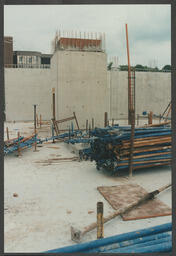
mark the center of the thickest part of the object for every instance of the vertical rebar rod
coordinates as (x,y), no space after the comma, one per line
(129,76)
(131,142)
(52,127)
(54,107)
(37,120)
(40,120)
(35,130)
(7,131)
(69,133)
(86,125)
(100,221)
(105,119)
(150,117)
(72,129)
(92,123)
(89,130)
(134,94)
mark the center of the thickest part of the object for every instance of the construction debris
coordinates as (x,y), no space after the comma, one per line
(15,195)
(57,122)
(19,143)
(90,212)
(55,160)
(76,235)
(118,197)
(53,147)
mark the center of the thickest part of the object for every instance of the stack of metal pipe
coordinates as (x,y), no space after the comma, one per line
(111,148)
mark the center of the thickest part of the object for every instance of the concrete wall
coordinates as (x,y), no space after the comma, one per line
(80,81)
(153,92)
(25,87)
(84,86)
(81,85)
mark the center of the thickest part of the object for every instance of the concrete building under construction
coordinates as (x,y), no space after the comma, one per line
(53,196)
(79,75)
(78,72)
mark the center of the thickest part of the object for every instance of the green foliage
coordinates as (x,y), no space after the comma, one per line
(167,68)
(138,66)
(124,68)
(141,68)
(110,65)
(156,69)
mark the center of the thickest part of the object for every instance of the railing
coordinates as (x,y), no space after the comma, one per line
(27,66)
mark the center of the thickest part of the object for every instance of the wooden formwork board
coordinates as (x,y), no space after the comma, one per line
(123,195)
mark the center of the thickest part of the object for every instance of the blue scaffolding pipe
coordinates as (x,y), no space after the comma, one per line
(96,244)
(142,245)
(138,241)
(19,144)
(163,247)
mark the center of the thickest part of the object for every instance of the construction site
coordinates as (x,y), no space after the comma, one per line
(87,153)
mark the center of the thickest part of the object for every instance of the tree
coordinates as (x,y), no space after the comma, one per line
(155,69)
(139,67)
(167,68)
(124,68)
(110,65)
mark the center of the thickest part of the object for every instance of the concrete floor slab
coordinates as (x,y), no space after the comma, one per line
(53,198)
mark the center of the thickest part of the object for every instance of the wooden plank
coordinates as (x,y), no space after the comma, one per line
(65,120)
(147,161)
(118,197)
(145,155)
(126,152)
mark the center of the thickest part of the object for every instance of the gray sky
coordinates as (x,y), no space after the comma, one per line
(149,28)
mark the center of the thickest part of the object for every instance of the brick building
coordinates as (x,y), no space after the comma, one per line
(8,51)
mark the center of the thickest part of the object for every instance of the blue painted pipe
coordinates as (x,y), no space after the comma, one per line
(27,143)
(113,239)
(79,140)
(163,247)
(128,243)
(142,245)
(142,166)
(62,136)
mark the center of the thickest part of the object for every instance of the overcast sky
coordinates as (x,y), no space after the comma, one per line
(149,27)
